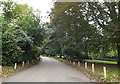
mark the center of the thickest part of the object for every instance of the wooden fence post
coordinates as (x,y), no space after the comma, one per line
(23,64)
(78,64)
(74,62)
(28,62)
(93,68)
(85,64)
(104,69)
(15,66)
(0,70)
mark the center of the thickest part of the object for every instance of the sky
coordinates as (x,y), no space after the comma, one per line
(43,5)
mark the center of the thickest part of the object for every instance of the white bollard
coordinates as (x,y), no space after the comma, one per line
(15,66)
(28,62)
(93,68)
(78,64)
(70,61)
(0,70)
(23,64)
(32,61)
(85,64)
(104,69)
(74,63)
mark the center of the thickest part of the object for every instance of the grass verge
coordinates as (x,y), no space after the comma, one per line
(101,61)
(9,70)
(98,75)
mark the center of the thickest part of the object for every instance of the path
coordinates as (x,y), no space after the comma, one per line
(48,70)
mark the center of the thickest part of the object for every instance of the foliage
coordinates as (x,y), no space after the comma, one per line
(84,30)
(75,31)
(21,33)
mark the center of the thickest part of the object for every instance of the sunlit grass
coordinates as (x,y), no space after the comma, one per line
(112,70)
(101,61)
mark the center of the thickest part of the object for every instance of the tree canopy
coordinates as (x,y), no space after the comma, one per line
(21,33)
(76,31)
(85,30)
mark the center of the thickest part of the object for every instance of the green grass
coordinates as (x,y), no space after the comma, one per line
(112,70)
(101,61)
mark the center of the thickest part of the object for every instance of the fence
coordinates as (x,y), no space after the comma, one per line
(17,67)
(100,72)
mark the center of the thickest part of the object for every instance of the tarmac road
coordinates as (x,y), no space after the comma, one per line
(48,70)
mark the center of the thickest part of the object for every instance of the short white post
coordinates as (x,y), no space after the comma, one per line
(74,62)
(28,62)
(32,61)
(70,61)
(78,64)
(104,68)
(0,70)
(93,68)
(85,64)
(23,64)
(15,66)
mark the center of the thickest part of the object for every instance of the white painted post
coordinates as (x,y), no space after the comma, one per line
(15,66)
(28,62)
(70,61)
(73,62)
(104,68)
(23,64)
(0,70)
(78,64)
(32,61)
(85,64)
(93,68)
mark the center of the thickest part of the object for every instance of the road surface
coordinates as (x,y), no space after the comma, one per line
(48,70)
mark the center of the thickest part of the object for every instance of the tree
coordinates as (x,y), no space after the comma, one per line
(21,29)
(87,28)
(106,16)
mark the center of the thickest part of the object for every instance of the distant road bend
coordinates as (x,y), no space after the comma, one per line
(48,70)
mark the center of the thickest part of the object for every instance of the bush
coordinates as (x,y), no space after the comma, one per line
(11,52)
